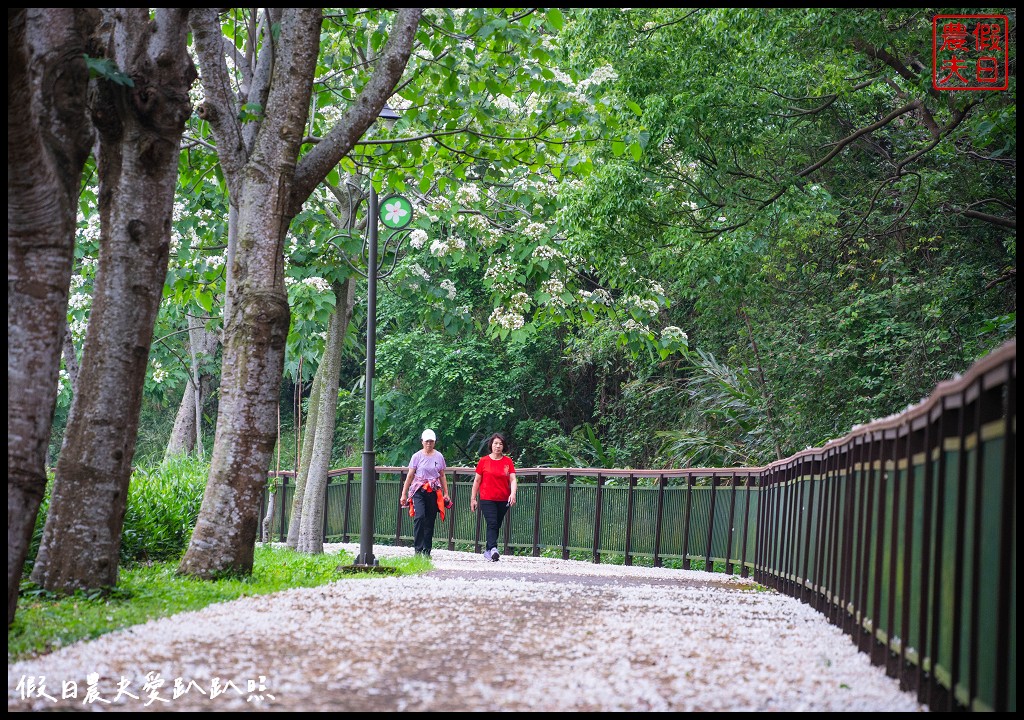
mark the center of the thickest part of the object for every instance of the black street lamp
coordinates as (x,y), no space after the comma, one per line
(396,217)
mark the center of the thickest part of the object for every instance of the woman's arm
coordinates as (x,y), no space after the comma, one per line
(403,498)
(474,493)
(444,486)
(512,496)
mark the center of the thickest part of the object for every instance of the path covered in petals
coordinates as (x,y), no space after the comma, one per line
(531,634)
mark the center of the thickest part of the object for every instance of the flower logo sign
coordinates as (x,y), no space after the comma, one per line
(395,212)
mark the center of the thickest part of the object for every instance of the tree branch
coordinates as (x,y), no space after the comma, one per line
(390,66)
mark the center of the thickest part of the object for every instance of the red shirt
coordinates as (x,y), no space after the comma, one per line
(495,483)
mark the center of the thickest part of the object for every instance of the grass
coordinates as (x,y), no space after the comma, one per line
(46,622)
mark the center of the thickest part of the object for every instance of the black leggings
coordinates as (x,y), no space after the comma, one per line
(423,523)
(494,512)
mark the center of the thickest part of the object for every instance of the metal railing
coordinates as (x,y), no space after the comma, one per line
(903,532)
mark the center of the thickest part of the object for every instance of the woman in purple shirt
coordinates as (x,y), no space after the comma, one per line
(426,476)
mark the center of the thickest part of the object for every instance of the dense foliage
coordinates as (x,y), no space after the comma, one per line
(672,268)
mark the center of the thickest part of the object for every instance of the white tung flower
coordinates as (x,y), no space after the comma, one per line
(449,287)
(467,194)
(632,324)
(506,319)
(671,332)
(418,238)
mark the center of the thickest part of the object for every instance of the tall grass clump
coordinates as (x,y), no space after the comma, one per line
(163,505)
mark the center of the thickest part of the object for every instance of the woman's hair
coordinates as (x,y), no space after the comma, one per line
(504,443)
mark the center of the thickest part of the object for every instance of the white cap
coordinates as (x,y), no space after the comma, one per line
(428,435)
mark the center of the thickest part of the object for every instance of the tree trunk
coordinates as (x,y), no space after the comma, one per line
(311,532)
(295,518)
(48,141)
(140,131)
(259,160)
(187,433)
(70,357)
(268,519)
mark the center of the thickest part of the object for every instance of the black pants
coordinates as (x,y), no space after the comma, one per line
(494,512)
(425,504)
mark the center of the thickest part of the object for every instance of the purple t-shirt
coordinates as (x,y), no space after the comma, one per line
(427,470)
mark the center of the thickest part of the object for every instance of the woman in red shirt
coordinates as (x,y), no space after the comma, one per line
(495,486)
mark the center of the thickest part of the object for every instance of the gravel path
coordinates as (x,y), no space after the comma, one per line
(522,634)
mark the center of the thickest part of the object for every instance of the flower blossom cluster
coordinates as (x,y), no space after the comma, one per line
(317,283)
(501,272)
(546,252)
(535,230)
(633,325)
(553,287)
(441,203)
(603,74)
(508,319)
(599,296)
(159,374)
(467,194)
(673,333)
(418,238)
(519,301)
(474,222)
(449,287)
(440,248)
(648,306)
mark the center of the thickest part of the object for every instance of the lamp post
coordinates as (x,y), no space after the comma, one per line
(396,217)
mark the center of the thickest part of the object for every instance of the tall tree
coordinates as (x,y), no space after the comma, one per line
(139,110)
(268,184)
(186,436)
(320,428)
(48,140)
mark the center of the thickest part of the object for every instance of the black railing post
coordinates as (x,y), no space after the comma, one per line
(862,571)
(928,482)
(1007,542)
(891,657)
(658,520)
(597,518)
(507,528)
(848,571)
(709,565)
(536,516)
(876,604)
(629,519)
(402,511)
(821,554)
(348,507)
(453,487)
(937,693)
(975,586)
(746,525)
(476,537)
(565,517)
(281,536)
(808,511)
(732,514)
(913,448)
(686,521)
(799,549)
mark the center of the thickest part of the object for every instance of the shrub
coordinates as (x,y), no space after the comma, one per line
(163,505)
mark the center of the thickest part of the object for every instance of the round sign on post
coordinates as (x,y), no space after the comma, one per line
(395,212)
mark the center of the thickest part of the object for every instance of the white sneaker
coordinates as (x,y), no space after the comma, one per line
(494,555)
(487,554)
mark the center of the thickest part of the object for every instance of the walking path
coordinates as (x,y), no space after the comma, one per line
(522,634)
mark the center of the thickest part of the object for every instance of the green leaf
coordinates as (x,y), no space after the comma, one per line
(618,147)
(205,300)
(555,18)
(636,151)
(107,69)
